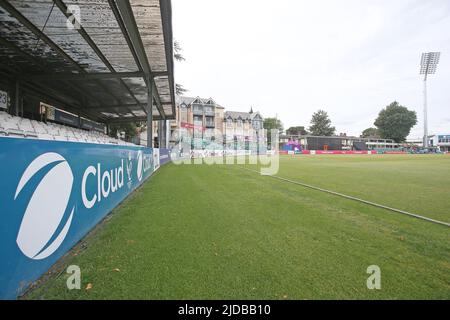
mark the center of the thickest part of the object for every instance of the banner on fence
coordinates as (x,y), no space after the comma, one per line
(52,194)
(342,152)
(164,156)
(156,163)
(328,152)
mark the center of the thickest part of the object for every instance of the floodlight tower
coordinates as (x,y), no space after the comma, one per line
(428,66)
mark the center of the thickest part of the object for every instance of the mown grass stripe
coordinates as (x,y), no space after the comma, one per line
(353,198)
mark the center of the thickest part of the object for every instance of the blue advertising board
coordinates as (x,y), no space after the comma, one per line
(52,194)
(164,156)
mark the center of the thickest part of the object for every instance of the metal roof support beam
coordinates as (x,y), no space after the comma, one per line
(51,93)
(119,20)
(166,11)
(118,106)
(108,107)
(50,96)
(149,114)
(13,47)
(86,76)
(160,74)
(23,85)
(95,48)
(83,94)
(161,133)
(126,120)
(17,98)
(42,36)
(127,38)
(41,65)
(136,42)
(131,119)
(38,33)
(123,28)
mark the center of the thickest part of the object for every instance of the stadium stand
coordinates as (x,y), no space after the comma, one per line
(101,81)
(17,127)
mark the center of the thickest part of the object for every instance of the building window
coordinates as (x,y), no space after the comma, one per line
(197,108)
(208,109)
(209,121)
(257,124)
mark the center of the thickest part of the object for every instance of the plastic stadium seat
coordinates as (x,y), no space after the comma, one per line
(45,136)
(53,131)
(15,133)
(10,125)
(31,134)
(25,124)
(72,139)
(22,127)
(70,133)
(4,115)
(60,138)
(40,129)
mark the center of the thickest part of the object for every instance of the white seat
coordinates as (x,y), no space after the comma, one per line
(60,138)
(15,133)
(27,128)
(31,134)
(40,129)
(14,126)
(4,117)
(25,124)
(45,136)
(53,131)
(10,125)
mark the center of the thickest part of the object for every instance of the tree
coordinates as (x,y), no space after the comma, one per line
(395,122)
(128,127)
(177,51)
(179,89)
(269,125)
(273,123)
(370,133)
(321,124)
(296,131)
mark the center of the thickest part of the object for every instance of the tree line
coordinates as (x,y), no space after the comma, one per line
(393,122)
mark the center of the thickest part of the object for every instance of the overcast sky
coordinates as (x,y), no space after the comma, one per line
(290,58)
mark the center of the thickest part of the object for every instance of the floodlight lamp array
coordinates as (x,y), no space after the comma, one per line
(429,62)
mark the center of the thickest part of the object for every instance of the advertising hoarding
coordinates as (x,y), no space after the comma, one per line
(53,194)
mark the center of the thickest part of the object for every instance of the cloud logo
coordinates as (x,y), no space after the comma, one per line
(140,165)
(129,166)
(46,208)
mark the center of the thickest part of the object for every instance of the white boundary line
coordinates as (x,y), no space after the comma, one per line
(353,198)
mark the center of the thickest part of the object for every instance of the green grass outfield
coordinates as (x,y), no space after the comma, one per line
(220,232)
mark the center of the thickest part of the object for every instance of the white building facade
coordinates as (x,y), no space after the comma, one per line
(442,141)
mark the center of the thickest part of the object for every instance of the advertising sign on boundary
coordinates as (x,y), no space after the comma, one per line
(52,194)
